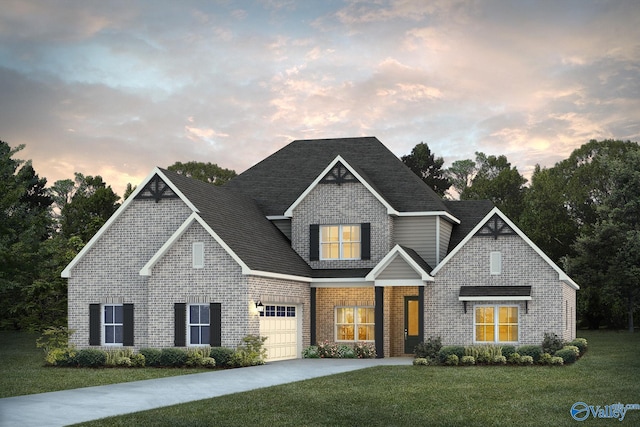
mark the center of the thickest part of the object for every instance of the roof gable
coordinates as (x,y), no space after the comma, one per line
(409,257)
(501,217)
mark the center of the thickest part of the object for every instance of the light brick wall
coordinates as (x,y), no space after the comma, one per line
(521,266)
(349,203)
(108,273)
(327,299)
(569,314)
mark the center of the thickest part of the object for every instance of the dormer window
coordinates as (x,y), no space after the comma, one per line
(340,242)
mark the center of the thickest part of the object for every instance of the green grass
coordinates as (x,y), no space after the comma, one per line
(22,370)
(418,395)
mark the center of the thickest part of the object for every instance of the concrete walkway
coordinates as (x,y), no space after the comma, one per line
(66,407)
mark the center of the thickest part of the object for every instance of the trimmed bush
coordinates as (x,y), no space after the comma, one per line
(151,356)
(448,350)
(327,350)
(551,343)
(311,352)
(138,360)
(581,343)
(500,360)
(483,353)
(514,358)
(452,360)
(545,359)
(557,361)
(346,352)
(421,361)
(526,360)
(569,354)
(61,357)
(365,350)
(91,358)
(173,357)
(428,349)
(468,360)
(535,351)
(250,352)
(508,350)
(222,356)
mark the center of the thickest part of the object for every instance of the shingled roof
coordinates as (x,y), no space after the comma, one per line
(242,226)
(276,182)
(470,213)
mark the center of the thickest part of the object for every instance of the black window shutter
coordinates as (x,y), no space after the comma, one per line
(215,324)
(127,324)
(94,324)
(180,332)
(365,242)
(314,242)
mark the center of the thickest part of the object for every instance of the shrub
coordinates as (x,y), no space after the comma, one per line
(120,357)
(346,352)
(428,349)
(483,353)
(526,360)
(551,343)
(508,350)
(208,362)
(91,358)
(365,350)
(557,361)
(311,352)
(61,357)
(535,351)
(545,359)
(448,350)
(151,356)
(172,357)
(196,356)
(327,350)
(468,360)
(222,356)
(514,358)
(568,354)
(421,361)
(581,343)
(138,360)
(500,360)
(55,343)
(250,352)
(452,360)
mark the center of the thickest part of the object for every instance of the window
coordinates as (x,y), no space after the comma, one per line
(113,324)
(496,323)
(496,263)
(355,324)
(278,311)
(340,242)
(199,325)
(198,255)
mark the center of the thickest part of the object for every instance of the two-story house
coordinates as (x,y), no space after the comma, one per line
(324,240)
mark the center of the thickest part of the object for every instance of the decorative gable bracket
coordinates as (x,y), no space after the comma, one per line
(156,189)
(495,227)
(338,175)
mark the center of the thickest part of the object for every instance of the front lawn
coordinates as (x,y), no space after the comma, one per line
(416,395)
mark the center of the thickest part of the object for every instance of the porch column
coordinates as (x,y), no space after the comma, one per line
(312,315)
(421,312)
(379,319)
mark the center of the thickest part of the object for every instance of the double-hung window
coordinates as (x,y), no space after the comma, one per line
(113,324)
(355,324)
(199,324)
(340,242)
(496,323)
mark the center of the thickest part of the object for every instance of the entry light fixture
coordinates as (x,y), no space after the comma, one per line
(259,307)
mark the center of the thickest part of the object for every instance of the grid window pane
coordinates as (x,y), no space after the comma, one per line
(291,312)
(199,324)
(505,324)
(355,323)
(340,241)
(113,320)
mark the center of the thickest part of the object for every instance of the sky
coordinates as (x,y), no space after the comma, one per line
(115,88)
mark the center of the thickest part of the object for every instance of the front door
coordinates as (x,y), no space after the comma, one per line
(411,323)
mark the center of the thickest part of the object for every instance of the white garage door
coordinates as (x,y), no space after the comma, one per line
(279,323)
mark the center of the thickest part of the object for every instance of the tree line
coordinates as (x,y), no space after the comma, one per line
(584,213)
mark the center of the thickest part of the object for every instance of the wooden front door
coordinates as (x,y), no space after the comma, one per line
(411,323)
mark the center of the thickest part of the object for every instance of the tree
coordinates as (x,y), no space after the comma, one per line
(497,181)
(608,253)
(461,173)
(207,172)
(428,167)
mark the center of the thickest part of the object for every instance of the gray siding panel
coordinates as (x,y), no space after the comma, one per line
(419,234)
(445,235)
(398,269)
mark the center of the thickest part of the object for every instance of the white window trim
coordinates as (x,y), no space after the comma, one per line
(189,325)
(495,263)
(341,242)
(104,324)
(197,253)
(496,329)
(355,323)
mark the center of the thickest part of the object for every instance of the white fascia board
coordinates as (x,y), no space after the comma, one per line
(562,276)
(146,270)
(401,282)
(505,298)
(276,275)
(390,210)
(388,259)
(337,283)
(434,213)
(66,273)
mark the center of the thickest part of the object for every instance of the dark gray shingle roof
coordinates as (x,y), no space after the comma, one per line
(277,181)
(495,291)
(470,213)
(242,226)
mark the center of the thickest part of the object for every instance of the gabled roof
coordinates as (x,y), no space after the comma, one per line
(470,213)
(277,181)
(409,256)
(562,276)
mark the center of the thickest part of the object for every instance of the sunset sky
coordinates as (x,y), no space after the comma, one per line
(114,88)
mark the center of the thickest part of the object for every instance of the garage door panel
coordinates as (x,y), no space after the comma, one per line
(280,325)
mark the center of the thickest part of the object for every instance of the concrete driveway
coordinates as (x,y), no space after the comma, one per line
(66,407)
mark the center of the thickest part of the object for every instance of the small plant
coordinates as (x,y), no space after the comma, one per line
(196,356)
(55,343)
(346,352)
(428,349)
(151,356)
(526,360)
(500,360)
(551,343)
(452,360)
(448,350)
(557,361)
(514,359)
(569,354)
(365,350)
(222,356)
(327,349)
(91,358)
(581,343)
(508,350)
(545,359)
(468,360)
(311,352)
(535,351)
(173,357)
(421,361)
(250,352)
